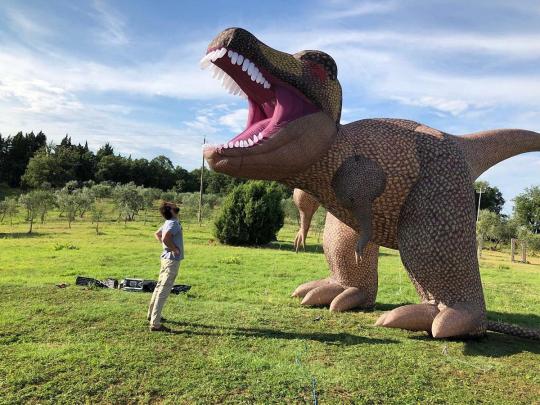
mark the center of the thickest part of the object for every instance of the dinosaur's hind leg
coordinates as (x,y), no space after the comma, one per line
(351,285)
(436,239)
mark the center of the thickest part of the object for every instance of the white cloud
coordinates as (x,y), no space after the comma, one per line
(356,9)
(21,22)
(235,120)
(112,25)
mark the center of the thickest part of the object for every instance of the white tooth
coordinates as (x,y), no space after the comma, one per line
(221,52)
(259,78)
(236,144)
(234,58)
(205,62)
(226,81)
(245,65)
(250,68)
(214,55)
(231,145)
(255,139)
(250,142)
(230,54)
(255,71)
(216,72)
(225,146)
(220,74)
(240,60)
(260,136)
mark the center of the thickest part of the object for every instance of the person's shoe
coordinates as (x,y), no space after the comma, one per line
(160,328)
(161,319)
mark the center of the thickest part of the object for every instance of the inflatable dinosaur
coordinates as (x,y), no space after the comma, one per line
(386,182)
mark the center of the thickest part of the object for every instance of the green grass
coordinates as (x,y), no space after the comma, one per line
(238,337)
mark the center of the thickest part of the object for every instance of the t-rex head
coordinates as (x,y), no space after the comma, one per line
(294,106)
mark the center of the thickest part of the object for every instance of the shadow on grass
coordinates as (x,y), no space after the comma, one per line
(289,246)
(499,345)
(310,248)
(21,235)
(344,339)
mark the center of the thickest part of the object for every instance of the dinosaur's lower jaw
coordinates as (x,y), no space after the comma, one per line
(290,151)
(272,103)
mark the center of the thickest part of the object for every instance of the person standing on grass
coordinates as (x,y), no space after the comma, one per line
(171,237)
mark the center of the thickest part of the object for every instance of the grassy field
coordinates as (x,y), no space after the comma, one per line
(238,336)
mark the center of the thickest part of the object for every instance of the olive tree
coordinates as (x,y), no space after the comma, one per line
(97,213)
(128,201)
(9,207)
(31,202)
(67,202)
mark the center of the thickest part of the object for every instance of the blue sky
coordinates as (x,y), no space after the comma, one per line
(126,72)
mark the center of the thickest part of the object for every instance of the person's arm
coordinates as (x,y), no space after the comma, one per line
(158,235)
(167,239)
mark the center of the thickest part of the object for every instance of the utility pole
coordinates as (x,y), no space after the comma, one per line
(479,200)
(201,188)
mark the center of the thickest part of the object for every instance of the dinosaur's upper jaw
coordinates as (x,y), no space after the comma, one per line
(272,103)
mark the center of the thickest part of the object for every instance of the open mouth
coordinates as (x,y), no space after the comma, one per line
(272,103)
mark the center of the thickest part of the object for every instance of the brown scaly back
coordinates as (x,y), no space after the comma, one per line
(313,73)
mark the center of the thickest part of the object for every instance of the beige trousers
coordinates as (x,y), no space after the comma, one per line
(167,275)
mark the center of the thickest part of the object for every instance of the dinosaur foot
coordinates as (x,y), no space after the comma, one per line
(460,320)
(328,292)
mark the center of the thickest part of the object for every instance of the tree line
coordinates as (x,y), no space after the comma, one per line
(499,229)
(29,161)
(94,201)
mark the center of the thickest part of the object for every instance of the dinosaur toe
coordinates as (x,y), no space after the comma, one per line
(459,320)
(413,317)
(322,295)
(351,298)
(303,289)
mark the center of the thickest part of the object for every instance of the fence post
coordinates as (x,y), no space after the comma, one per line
(512,249)
(524,251)
(480,245)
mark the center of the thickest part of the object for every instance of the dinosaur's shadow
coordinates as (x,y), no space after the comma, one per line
(497,344)
(289,246)
(310,248)
(343,339)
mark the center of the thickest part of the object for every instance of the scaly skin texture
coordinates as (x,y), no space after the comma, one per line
(385,182)
(356,281)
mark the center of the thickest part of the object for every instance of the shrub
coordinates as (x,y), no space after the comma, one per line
(251,215)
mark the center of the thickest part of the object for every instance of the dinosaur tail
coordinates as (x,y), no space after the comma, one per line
(514,330)
(487,148)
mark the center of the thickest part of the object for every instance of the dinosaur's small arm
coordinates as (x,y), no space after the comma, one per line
(351,284)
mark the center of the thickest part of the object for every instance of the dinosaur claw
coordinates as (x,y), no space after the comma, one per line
(322,295)
(413,317)
(303,289)
(380,319)
(459,320)
(357,258)
(352,297)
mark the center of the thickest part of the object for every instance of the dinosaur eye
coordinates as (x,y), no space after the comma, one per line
(317,71)
(322,60)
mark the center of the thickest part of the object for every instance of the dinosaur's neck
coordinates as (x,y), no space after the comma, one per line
(317,179)
(319,175)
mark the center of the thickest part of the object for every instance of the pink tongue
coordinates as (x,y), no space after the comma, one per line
(252,130)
